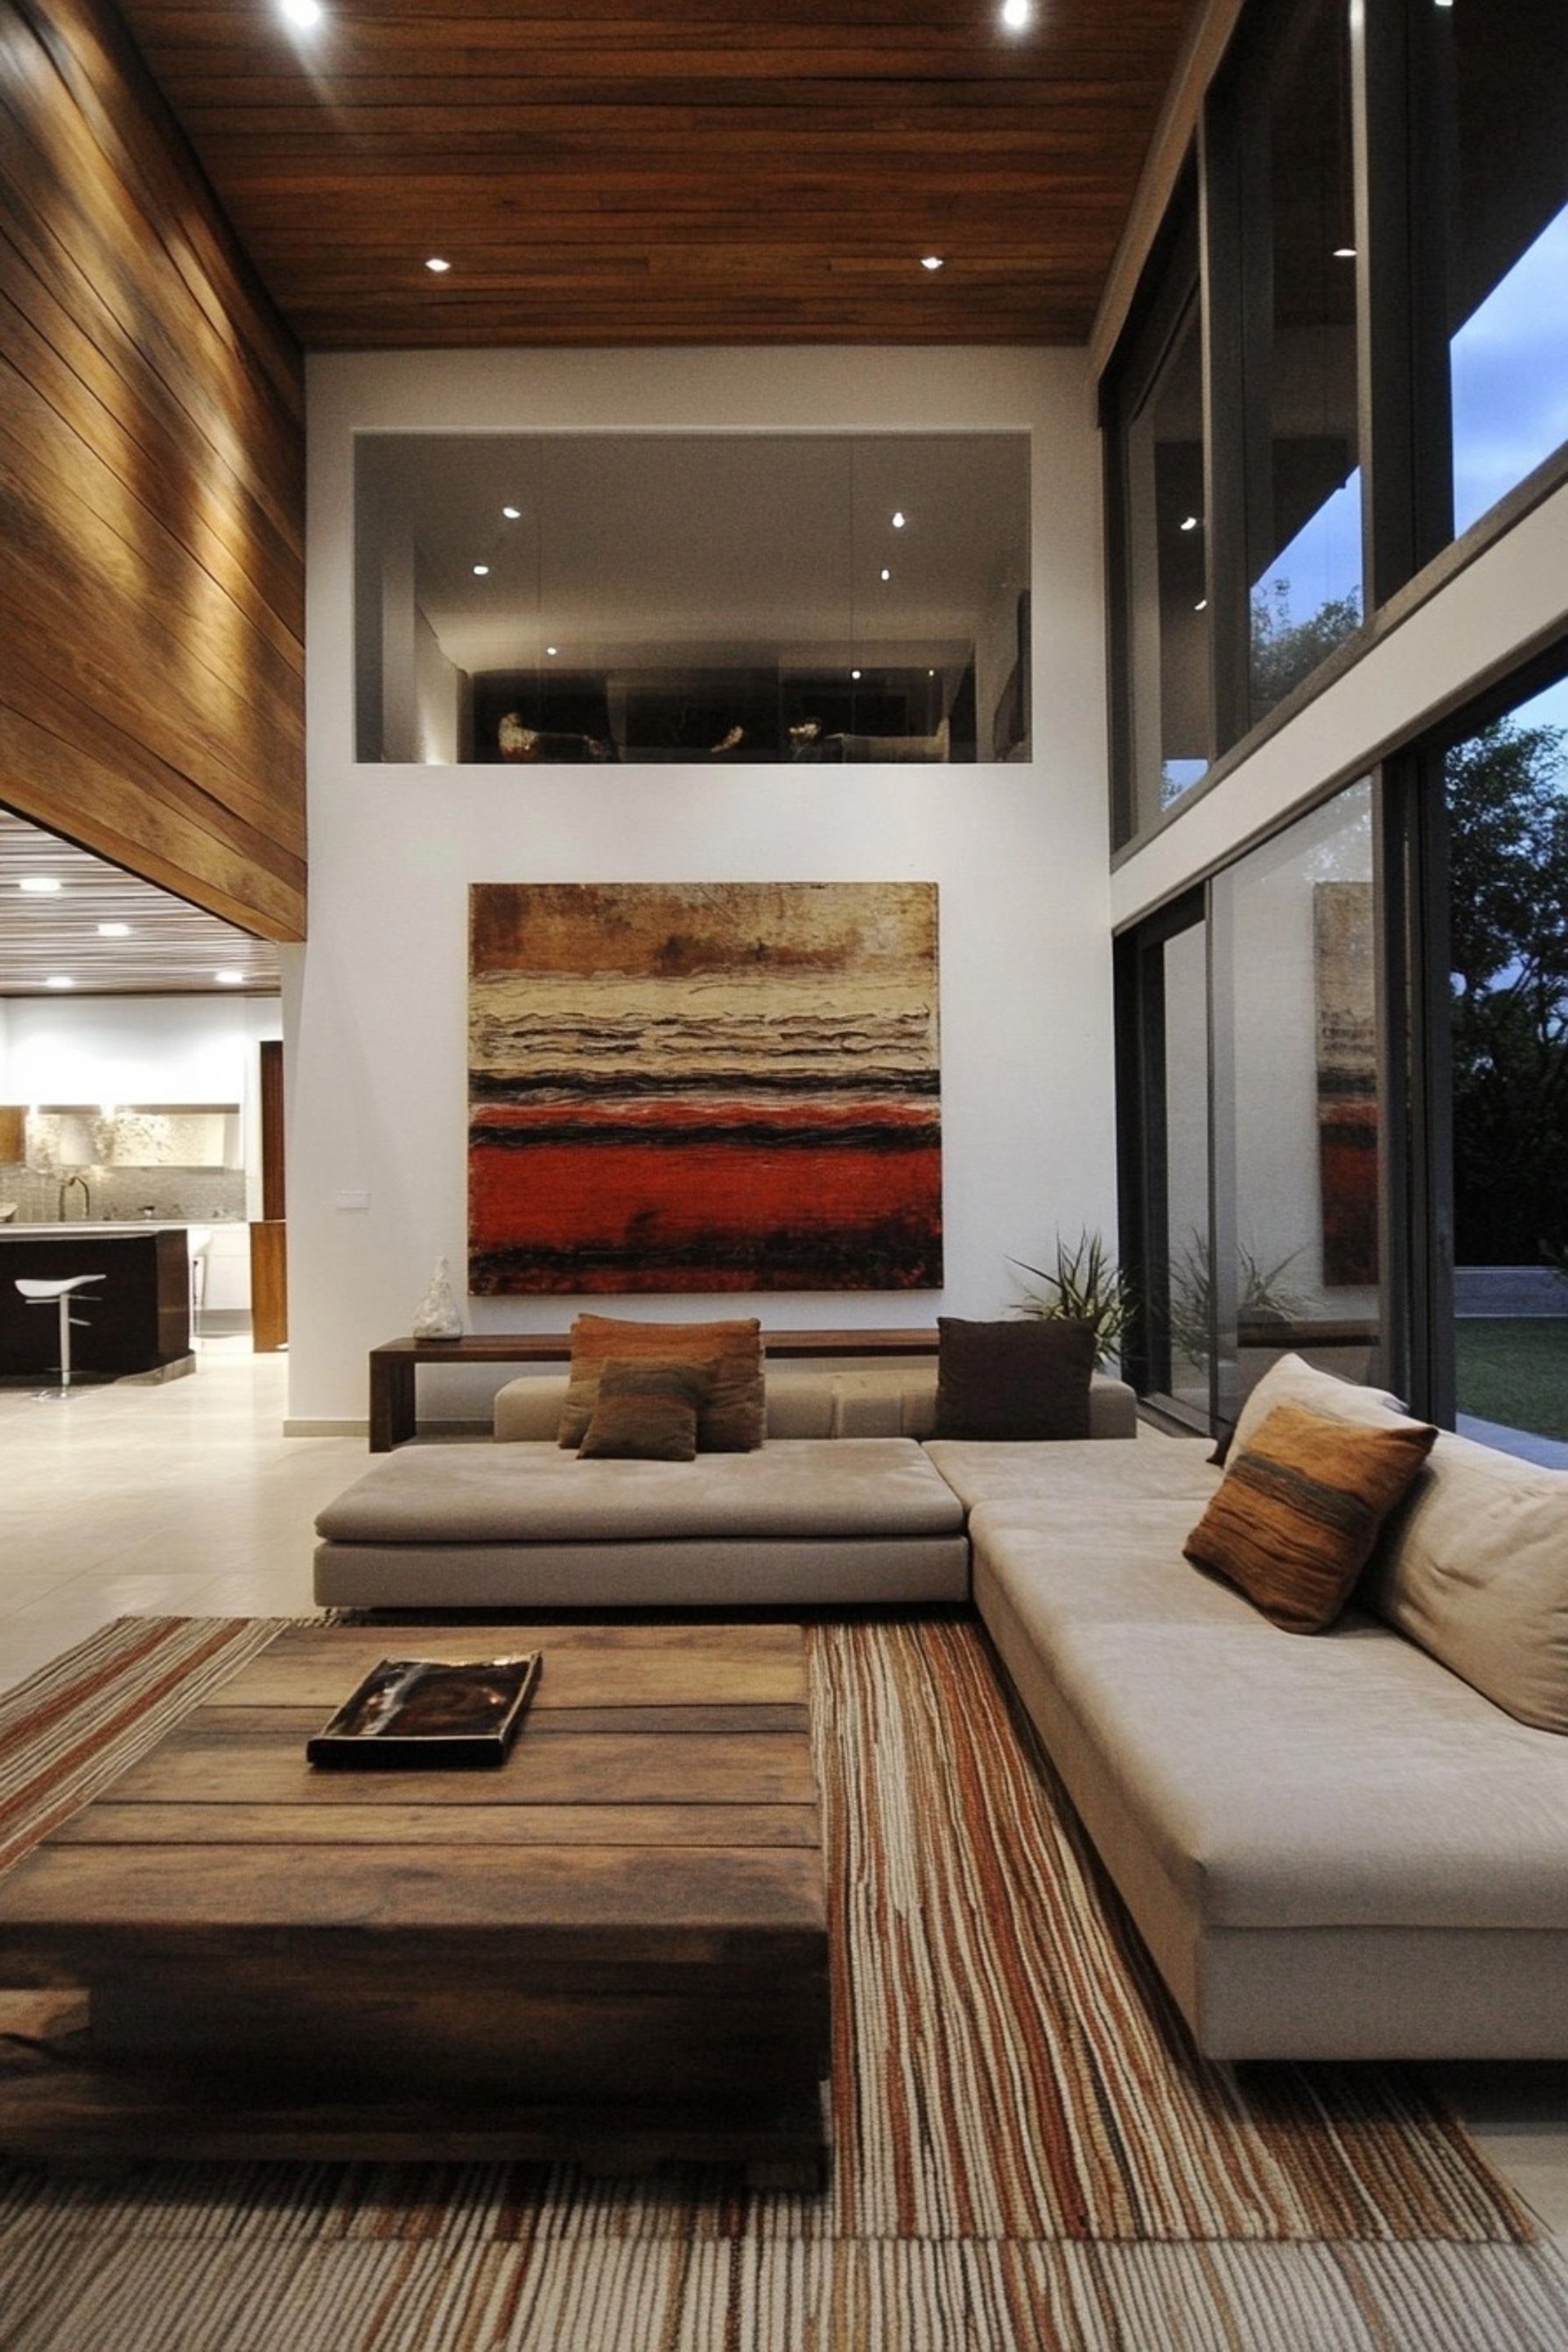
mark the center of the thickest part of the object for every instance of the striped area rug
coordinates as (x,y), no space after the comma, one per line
(1029,2154)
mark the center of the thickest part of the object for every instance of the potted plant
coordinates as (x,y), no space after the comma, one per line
(1083,1285)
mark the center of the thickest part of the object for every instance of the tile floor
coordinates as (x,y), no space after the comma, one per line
(184,1498)
(187,1499)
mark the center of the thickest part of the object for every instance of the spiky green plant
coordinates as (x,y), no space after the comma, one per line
(1084,1285)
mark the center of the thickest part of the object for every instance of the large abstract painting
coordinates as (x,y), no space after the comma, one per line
(1347,1080)
(703,1086)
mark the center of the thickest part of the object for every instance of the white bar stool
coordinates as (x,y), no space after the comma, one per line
(198,1248)
(46,1294)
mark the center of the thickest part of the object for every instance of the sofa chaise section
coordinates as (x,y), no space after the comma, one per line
(805,1522)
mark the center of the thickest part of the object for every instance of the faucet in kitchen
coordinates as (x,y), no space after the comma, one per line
(66,1184)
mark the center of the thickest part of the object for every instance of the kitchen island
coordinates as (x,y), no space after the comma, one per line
(137,1320)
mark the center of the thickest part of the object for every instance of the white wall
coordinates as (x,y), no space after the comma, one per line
(376,1003)
(436,696)
(133,1049)
(142,1049)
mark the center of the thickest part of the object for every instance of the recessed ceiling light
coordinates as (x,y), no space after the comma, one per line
(1202,605)
(303,13)
(1189,522)
(482,572)
(1345,253)
(114,931)
(1016,13)
(930,261)
(60,980)
(229,979)
(854,673)
(886,573)
(38,885)
(437,265)
(512,514)
(898,517)
(553,651)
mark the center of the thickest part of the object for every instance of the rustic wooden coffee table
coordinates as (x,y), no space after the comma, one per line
(613,1949)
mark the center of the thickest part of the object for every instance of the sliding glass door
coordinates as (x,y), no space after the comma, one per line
(1254,1185)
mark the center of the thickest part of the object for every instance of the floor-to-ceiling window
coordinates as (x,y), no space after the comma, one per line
(1160,543)
(1504,63)
(1295,1240)
(1299,311)
(1349,348)
(1255,1202)
(1504,787)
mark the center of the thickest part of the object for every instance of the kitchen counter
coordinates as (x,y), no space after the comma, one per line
(137,1320)
(108,1228)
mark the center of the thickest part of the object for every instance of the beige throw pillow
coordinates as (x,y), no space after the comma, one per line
(1475,1569)
(1292,1380)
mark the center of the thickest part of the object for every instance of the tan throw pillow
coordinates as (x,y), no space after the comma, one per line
(1289,1380)
(734,1418)
(1294,1519)
(1475,1569)
(646,1411)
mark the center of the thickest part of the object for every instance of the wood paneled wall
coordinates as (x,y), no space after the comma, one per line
(152,489)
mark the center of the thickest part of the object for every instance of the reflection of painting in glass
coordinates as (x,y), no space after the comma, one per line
(1347,1080)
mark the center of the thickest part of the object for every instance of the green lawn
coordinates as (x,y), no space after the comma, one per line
(1514,1369)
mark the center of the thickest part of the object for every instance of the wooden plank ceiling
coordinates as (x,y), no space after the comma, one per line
(168,948)
(672,171)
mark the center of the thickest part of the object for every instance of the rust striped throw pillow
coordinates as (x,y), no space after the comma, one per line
(1294,1519)
(646,1411)
(734,1417)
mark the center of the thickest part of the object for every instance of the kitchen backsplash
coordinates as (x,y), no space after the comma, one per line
(192,1196)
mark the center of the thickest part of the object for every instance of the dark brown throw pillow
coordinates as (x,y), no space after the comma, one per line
(734,1418)
(646,1411)
(1013,1380)
(1293,1521)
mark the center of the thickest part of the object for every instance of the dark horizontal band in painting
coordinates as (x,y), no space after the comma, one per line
(893,1254)
(745,1134)
(575,1083)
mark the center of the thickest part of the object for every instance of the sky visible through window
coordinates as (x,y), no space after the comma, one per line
(1510,371)
(1508,364)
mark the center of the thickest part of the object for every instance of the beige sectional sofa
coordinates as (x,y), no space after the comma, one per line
(1337,1847)
(1334,1846)
(841,1505)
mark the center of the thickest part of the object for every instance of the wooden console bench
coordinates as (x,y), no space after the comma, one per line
(394,1366)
